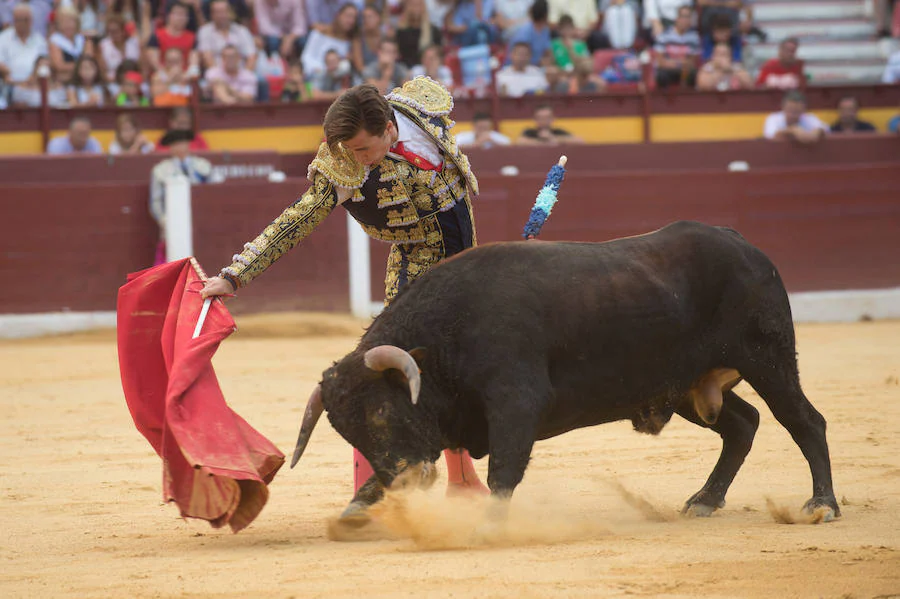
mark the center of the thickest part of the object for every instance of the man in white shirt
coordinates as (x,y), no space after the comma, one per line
(180,163)
(222,31)
(20,47)
(793,122)
(520,77)
(482,134)
(892,69)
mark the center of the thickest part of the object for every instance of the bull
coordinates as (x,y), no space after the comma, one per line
(511,343)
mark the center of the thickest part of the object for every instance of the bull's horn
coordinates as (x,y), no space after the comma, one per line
(390,356)
(310,418)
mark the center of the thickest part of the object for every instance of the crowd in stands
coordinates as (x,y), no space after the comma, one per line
(164,52)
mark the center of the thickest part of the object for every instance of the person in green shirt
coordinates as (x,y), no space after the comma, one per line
(567,47)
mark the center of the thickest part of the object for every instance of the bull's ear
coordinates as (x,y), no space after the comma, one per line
(419,354)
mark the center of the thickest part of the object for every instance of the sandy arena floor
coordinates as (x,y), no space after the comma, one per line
(81,512)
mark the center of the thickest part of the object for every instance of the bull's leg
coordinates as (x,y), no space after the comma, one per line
(511,439)
(778,383)
(367,495)
(736,424)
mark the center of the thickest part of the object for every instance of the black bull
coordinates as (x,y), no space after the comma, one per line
(511,343)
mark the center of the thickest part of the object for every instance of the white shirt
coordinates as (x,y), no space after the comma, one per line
(20,57)
(892,69)
(414,140)
(467,138)
(776,121)
(662,9)
(516,84)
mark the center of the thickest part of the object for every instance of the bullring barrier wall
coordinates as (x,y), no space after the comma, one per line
(68,246)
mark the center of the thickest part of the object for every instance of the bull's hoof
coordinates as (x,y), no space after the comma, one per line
(356,515)
(698,510)
(701,506)
(825,508)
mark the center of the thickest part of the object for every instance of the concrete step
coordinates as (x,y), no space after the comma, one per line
(822,51)
(793,11)
(848,29)
(845,72)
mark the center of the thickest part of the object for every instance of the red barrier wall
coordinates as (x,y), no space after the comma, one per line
(70,246)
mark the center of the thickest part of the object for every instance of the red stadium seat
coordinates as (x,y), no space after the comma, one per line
(276,86)
(451,60)
(604,58)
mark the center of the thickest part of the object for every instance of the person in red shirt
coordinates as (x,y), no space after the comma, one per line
(175,35)
(182,120)
(784,72)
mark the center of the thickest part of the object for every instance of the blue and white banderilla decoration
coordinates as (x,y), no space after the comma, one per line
(546,199)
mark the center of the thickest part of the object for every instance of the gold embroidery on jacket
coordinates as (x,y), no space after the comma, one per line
(293,225)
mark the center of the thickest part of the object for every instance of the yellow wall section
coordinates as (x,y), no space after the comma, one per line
(672,127)
(731,126)
(24,142)
(611,130)
(281,139)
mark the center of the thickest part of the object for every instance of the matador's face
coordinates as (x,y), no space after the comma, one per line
(370,149)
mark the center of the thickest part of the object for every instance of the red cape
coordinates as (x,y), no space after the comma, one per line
(215,465)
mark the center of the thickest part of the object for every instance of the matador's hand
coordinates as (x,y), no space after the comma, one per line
(216,286)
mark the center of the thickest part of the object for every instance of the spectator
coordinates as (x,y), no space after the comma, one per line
(509,15)
(469,22)
(77,141)
(20,47)
(296,89)
(87,87)
(544,133)
(170,85)
(520,77)
(182,163)
(130,90)
(722,32)
(334,80)
(323,12)
(784,72)
(129,139)
(92,18)
(28,93)
(557,79)
(156,9)
(848,118)
(66,45)
(433,66)
(583,13)
(222,31)
(230,82)
(339,36)
(415,33)
(620,24)
(722,74)
(568,46)
(364,50)
(240,12)
(660,15)
(174,35)
(41,12)
(892,69)
(716,9)
(387,73)
(535,33)
(793,122)
(438,11)
(584,80)
(482,134)
(181,119)
(283,25)
(130,12)
(117,46)
(676,52)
